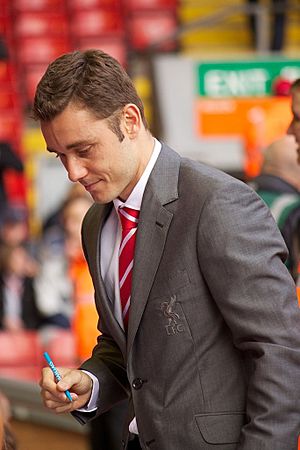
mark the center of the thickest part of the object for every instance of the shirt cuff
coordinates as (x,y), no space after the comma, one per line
(92,403)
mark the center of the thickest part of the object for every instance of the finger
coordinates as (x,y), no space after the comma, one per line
(63,407)
(60,402)
(57,395)
(51,400)
(59,408)
(76,381)
(70,377)
(47,380)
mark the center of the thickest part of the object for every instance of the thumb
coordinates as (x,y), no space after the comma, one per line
(69,378)
(75,380)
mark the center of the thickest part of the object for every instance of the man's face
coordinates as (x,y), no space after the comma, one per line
(294,127)
(92,153)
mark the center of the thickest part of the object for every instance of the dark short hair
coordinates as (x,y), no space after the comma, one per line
(90,78)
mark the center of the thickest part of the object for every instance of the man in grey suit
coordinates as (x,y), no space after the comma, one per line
(210,355)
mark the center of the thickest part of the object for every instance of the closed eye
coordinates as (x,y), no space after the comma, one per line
(84,151)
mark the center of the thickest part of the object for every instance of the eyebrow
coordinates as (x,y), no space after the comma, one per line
(71,146)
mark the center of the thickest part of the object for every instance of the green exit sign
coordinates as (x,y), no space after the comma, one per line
(243,78)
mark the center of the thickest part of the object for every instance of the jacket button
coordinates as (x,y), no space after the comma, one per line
(137,383)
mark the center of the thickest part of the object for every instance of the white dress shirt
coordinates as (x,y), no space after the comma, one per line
(109,258)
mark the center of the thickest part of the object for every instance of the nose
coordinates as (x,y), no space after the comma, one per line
(76,170)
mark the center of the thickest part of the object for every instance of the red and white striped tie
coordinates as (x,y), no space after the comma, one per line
(129,221)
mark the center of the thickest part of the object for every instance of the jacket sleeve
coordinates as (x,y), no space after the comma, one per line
(244,269)
(107,365)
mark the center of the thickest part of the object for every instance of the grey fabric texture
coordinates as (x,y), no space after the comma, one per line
(212,358)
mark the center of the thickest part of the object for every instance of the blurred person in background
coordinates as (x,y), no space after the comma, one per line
(14,226)
(1,431)
(14,230)
(5,412)
(279,186)
(18,307)
(58,253)
(85,317)
(54,221)
(7,438)
(8,160)
(54,290)
(4,55)
(294,127)
(278,20)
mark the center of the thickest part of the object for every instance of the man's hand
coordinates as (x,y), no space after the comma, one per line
(76,381)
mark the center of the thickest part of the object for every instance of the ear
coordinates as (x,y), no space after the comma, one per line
(132,120)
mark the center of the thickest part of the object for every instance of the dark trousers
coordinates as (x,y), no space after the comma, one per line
(134,444)
(106,430)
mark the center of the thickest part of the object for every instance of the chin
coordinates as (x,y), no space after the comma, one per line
(101,199)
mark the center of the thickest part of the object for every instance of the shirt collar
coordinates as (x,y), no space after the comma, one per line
(134,200)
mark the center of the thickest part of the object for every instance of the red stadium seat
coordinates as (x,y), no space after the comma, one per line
(5,25)
(92,4)
(19,349)
(5,7)
(96,23)
(40,50)
(113,45)
(8,99)
(61,347)
(30,374)
(11,125)
(7,75)
(148,28)
(38,5)
(40,23)
(32,75)
(142,5)
(15,186)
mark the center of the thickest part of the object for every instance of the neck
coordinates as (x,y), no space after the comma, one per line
(144,147)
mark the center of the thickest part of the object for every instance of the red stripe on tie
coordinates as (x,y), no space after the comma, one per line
(129,221)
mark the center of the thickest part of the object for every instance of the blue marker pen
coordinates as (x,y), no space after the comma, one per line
(56,373)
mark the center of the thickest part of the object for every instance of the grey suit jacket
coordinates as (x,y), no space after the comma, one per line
(212,358)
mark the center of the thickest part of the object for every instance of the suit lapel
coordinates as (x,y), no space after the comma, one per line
(153,228)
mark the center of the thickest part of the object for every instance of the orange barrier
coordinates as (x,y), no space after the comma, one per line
(258,120)
(85,316)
